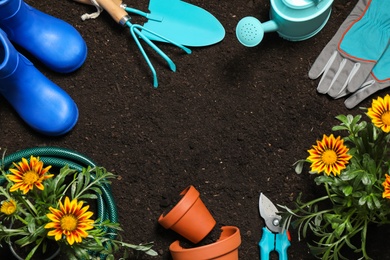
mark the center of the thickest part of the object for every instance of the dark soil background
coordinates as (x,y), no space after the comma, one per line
(231,121)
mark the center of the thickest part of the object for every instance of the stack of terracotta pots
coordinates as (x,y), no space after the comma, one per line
(191,219)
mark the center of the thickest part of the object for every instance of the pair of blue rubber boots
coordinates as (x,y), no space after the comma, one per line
(42,104)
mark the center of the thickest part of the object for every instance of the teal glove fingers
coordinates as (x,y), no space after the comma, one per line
(335,77)
(379,79)
(366,40)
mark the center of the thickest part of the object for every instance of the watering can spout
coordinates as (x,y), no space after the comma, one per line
(294,20)
(250,31)
(270,26)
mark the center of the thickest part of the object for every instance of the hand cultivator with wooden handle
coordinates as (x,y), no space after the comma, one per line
(136,30)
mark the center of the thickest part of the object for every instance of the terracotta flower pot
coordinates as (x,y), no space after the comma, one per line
(225,248)
(189,217)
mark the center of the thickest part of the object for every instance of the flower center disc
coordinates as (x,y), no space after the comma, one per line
(329,157)
(30,177)
(386,118)
(68,223)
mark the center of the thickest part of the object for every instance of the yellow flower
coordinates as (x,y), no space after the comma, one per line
(329,155)
(386,185)
(27,175)
(379,112)
(71,220)
(8,207)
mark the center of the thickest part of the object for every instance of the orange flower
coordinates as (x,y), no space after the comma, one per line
(379,112)
(27,175)
(386,185)
(8,207)
(329,155)
(71,220)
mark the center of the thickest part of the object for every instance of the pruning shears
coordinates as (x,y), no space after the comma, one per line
(274,238)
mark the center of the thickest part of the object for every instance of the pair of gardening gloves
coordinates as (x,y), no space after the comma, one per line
(356,61)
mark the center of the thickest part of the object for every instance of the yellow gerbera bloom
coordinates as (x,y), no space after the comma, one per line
(27,175)
(379,112)
(386,185)
(71,220)
(8,207)
(329,155)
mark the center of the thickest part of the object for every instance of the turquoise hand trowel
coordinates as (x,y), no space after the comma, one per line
(181,22)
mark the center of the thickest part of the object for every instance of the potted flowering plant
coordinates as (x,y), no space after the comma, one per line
(353,171)
(39,208)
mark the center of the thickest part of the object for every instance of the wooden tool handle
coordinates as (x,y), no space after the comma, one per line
(88,2)
(112,7)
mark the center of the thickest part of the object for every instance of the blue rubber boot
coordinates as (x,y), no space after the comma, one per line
(52,41)
(43,105)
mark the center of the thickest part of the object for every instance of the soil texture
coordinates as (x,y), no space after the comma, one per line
(231,121)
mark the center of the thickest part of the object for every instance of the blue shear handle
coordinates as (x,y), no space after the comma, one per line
(267,244)
(282,243)
(270,242)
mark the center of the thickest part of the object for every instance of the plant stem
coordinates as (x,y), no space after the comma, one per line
(21,219)
(329,196)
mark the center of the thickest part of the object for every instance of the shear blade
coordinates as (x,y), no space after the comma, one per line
(268,212)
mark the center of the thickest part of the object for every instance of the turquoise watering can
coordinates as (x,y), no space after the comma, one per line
(293,20)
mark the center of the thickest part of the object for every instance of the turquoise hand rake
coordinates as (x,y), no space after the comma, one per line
(136,30)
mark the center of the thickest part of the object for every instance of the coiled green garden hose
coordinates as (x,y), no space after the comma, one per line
(60,157)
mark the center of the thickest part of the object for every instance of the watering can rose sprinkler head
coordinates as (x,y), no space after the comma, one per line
(250,31)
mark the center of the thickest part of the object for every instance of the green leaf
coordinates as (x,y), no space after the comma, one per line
(366,180)
(88,196)
(339,128)
(339,230)
(80,182)
(32,252)
(358,194)
(347,190)
(299,166)
(317,250)
(362,200)
(361,126)
(339,200)
(349,226)
(369,164)
(73,190)
(333,219)
(24,240)
(376,201)
(343,119)
(349,244)
(370,204)
(31,226)
(87,179)
(355,119)
(349,175)
(318,220)
(97,190)
(110,257)
(323,179)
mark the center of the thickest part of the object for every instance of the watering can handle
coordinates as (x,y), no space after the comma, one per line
(301,4)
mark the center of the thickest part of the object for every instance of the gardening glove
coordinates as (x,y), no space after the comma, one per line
(378,79)
(351,54)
